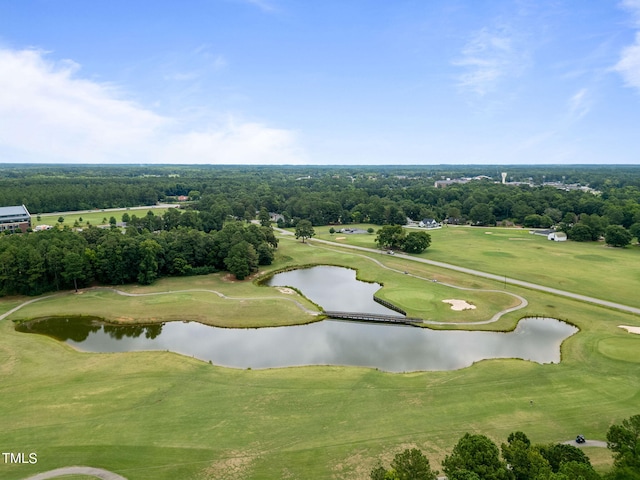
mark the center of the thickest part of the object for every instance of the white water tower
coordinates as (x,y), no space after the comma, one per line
(504,177)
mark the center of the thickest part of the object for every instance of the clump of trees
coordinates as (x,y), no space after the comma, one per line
(395,237)
(476,457)
(57,259)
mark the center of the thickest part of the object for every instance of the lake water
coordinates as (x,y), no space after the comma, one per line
(333,288)
(393,348)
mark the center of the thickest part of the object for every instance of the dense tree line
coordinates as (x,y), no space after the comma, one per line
(476,457)
(31,264)
(344,195)
(326,195)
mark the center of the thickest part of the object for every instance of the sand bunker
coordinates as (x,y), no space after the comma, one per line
(630,329)
(459,305)
(288,291)
(341,238)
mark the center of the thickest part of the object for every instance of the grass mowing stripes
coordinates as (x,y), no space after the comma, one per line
(159,415)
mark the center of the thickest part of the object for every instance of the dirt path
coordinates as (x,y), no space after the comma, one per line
(94,472)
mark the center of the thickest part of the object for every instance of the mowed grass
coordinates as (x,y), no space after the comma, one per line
(158,415)
(94,217)
(590,268)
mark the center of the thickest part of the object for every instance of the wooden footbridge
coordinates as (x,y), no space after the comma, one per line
(372,317)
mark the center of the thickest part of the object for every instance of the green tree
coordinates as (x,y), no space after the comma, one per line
(416,242)
(477,454)
(579,471)
(464,475)
(391,236)
(60,219)
(634,230)
(148,267)
(624,441)
(559,453)
(378,473)
(525,462)
(580,233)
(264,218)
(125,217)
(73,268)
(242,260)
(304,230)
(265,253)
(482,214)
(332,231)
(617,236)
(112,221)
(411,464)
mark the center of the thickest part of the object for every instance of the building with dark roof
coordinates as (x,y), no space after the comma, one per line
(15,218)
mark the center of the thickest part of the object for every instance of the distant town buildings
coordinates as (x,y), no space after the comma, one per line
(15,218)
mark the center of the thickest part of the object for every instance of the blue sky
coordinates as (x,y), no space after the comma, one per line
(320,82)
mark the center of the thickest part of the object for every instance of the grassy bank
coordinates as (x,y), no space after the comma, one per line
(158,415)
(590,268)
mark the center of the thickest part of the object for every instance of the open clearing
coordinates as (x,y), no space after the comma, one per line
(96,217)
(564,265)
(158,415)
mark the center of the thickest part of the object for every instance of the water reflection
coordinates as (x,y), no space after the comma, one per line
(391,348)
(333,288)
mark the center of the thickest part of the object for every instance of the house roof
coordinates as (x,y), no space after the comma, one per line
(18,211)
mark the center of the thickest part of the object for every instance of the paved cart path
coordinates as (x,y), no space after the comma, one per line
(94,472)
(491,276)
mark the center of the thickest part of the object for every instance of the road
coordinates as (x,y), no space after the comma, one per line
(491,276)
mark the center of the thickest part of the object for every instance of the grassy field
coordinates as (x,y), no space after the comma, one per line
(158,415)
(587,268)
(94,217)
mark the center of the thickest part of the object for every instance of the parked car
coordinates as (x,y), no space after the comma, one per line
(580,439)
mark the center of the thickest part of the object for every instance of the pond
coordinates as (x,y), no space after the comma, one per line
(333,288)
(392,348)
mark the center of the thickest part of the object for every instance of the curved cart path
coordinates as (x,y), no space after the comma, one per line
(495,318)
(128,294)
(499,278)
(94,472)
(204,290)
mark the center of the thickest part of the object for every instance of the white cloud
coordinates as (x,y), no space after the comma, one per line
(629,64)
(488,58)
(49,114)
(634,7)
(245,143)
(579,104)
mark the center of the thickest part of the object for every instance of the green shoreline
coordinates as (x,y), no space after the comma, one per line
(188,419)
